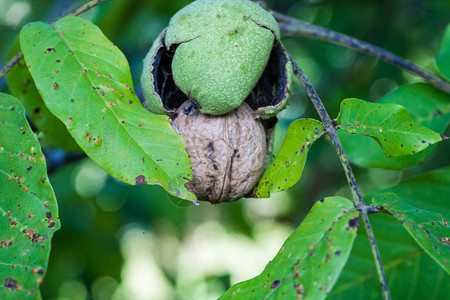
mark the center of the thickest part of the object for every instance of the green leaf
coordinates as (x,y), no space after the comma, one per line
(411,272)
(365,152)
(426,106)
(430,230)
(389,124)
(28,208)
(429,191)
(287,168)
(443,58)
(22,87)
(310,261)
(85,81)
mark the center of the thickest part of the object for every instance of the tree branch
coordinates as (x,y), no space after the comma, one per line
(357,198)
(83,8)
(10,64)
(294,27)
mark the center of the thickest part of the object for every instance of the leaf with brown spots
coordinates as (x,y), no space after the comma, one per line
(388,124)
(287,168)
(28,208)
(310,260)
(430,229)
(426,105)
(412,274)
(93,94)
(22,86)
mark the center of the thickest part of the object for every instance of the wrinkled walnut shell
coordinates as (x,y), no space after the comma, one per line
(228,152)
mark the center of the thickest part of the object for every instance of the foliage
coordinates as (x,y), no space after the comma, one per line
(388,124)
(429,229)
(287,167)
(310,261)
(426,106)
(22,86)
(402,256)
(76,88)
(99,107)
(28,207)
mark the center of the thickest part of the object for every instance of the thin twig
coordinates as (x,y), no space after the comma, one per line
(11,63)
(294,27)
(76,12)
(85,7)
(357,198)
(329,128)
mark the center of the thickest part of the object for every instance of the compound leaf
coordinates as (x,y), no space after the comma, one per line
(287,168)
(28,208)
(311,259)
(389,124)
(412,274)
(85,81)
(430,230)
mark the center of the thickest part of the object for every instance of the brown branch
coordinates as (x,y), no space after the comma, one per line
(357,198)
(11,63)
(85,7)
(294,27)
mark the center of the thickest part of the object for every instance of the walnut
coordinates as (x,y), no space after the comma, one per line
(227,152)
(218,54)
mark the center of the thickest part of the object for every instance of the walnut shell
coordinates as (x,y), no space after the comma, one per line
(219,54)
(228,152)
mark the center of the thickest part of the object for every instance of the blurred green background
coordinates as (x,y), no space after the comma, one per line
(126,242)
